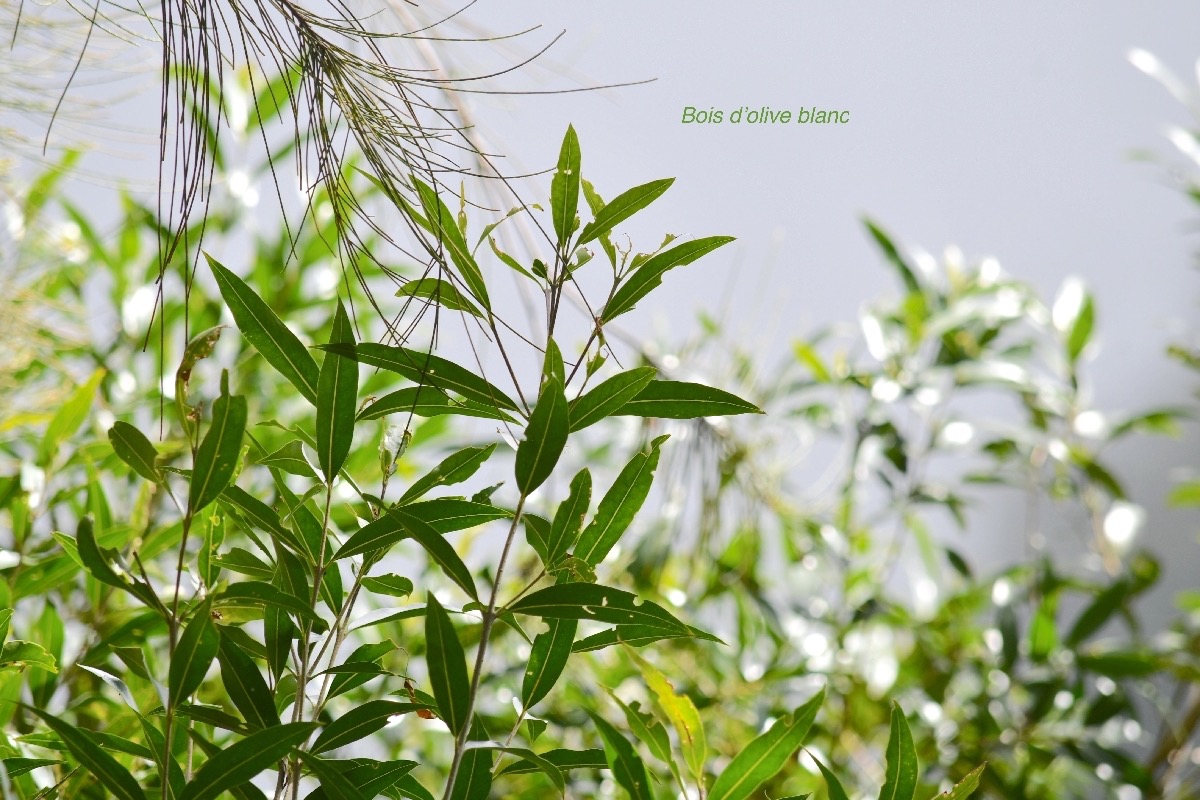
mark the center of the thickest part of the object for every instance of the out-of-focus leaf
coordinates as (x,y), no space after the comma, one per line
(69,416)
(682,713)
(966,787)
(627,767)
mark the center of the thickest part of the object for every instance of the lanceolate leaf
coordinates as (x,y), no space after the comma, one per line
(106,769)
(647,277)
(547,658)
(682,713)
(627,767)
(766,755)
(610,395)
(69,416)
(132,446)
(219,451)
(568,519)
(454,469)
(444,515)
(622,207)
(545,437)
(475,775)
(900,782)
(429,401)
(681,400)
(333,782)
(193,654)
(263,517)
(95,563)
(548,768)
(836,791)
(245,685)
(563,759)
(361,722)
(337,393)
(564,187)
(259,593)
(242,791)
(439,291)
(371,778)
(266,332)
(619,505)
(443,225)
(425,368)
(966,787)
(595,602)
(439,550)
(636,636)
(447,665)
(241,761)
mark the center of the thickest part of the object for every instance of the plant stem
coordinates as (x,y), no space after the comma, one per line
(489,619)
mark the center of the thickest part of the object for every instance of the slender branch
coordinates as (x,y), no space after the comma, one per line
(489,619)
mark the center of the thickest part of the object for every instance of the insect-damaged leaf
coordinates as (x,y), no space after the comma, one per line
(547,659)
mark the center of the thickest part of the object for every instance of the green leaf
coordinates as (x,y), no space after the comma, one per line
(595,602)
(627,767)
(563,759)
(362,721)
(390,585)
(564,187)
(337,395)
(447,666)
(440,292)
(475,774)
(637,636)
(547,659)
(103,767)
(893,256)
(682,713)
(966,787)
(622,207)
(132,447)
(454,469)
(619,506)
(245,686)
(266,332)
(545,437)
(1098,612)
(900,779)
(647,277)
(243,760)
(220,451)
(836,791)
(372,778)
(426,369)
(193,654)
(647,730)
(263,517)
(69,416)
(682,400)
(242,791)
(444,515)
(547,768)
(610,395)
(16,767)
(568,519)
(437,548)
(1081,329)
(259,593)
(766,755)
(244,562)
(443,225)
(334,783)
(428,401)
(19,655)
(95,563)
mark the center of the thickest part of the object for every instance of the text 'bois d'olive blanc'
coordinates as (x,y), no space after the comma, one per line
(764,115)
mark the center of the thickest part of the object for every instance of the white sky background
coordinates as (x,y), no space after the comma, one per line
(1004,128)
